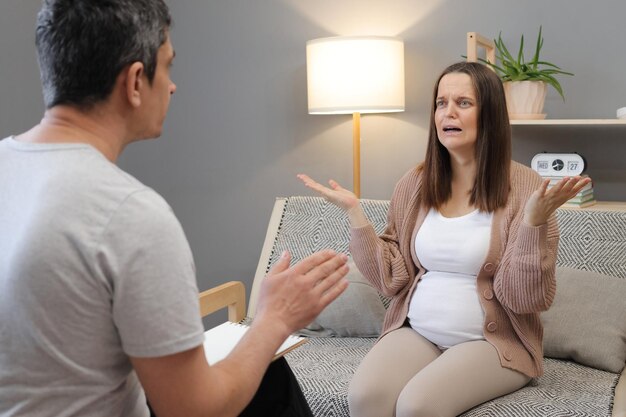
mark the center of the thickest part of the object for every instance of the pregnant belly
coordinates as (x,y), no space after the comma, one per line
(445,309)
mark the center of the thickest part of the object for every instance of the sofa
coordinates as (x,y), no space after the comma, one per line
(584,330)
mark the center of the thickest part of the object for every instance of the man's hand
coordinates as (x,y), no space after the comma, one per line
(293,296)
(183,384)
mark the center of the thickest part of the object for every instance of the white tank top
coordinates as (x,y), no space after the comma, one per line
(445,307)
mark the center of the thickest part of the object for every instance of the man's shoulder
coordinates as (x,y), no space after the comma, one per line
(95,191)
(96,176)
(123,195)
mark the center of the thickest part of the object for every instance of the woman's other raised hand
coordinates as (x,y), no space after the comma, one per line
(543,202)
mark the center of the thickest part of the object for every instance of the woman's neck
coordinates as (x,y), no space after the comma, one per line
(461,184)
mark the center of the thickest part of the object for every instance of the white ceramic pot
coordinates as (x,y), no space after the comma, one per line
(525,99)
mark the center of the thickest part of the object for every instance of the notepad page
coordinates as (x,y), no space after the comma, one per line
(221,340)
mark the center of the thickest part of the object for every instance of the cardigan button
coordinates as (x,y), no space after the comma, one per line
(488,294)
(489,267)
(507,355)
(492,326)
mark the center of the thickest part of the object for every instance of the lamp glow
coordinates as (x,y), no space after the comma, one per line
(354,75)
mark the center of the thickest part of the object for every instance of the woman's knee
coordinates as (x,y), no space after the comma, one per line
(370,400)
(412,405)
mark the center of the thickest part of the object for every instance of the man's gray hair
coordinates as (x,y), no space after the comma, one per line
(83,45)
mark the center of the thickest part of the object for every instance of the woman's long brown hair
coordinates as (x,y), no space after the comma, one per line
(493,145)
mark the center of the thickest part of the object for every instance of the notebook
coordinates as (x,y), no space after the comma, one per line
(220,341)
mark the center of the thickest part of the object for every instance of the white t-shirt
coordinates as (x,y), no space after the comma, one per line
(94,268)
(445,307)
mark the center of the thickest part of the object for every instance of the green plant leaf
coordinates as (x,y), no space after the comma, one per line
(520,54)
(555,71)
(519,69)
(504,52)
(498,69)
(554,83)
(538,48)
(548,64)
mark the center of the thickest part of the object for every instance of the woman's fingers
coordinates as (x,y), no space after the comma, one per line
(568,187)
(543,187)
(581,184)
(335,185)
(312,184)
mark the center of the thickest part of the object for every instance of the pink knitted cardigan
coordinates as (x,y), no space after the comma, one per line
(515,283)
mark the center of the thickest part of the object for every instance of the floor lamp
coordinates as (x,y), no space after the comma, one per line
(354,75)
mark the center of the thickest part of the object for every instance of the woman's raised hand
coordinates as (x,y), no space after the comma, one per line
(336,194)
(543,202)
(340,197)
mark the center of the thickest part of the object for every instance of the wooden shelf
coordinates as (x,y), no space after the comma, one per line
(615,126)
(570,122)
(601,206)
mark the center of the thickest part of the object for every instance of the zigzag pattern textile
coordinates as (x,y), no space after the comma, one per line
(324,367)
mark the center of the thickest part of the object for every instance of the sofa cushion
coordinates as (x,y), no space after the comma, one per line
(358,312)
(587,321)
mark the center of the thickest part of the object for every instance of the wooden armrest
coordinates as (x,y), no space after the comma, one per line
(231,294)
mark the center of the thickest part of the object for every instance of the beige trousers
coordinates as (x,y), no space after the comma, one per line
(405,375)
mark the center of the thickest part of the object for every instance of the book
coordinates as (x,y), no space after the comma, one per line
(221,340)
(585,192)
(581,198)
(586,189)
(557,178)
(579,205)
(553,180)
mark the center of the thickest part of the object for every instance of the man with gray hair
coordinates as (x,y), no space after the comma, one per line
(98,297)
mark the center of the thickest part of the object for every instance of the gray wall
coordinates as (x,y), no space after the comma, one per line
(238,131)
(21,103)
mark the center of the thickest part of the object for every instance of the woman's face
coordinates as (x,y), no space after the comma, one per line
(456,114)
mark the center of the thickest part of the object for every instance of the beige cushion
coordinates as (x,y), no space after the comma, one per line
(358,312)
(587,321)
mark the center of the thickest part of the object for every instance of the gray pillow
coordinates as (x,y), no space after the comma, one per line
(587,321)
(358,312)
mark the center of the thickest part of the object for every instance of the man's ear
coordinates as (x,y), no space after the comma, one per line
(134,83)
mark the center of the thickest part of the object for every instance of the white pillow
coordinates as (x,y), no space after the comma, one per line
(358,312)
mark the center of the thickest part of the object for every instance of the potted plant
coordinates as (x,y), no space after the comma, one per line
(525,82)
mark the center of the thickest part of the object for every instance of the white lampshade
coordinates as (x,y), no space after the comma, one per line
(355,74)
